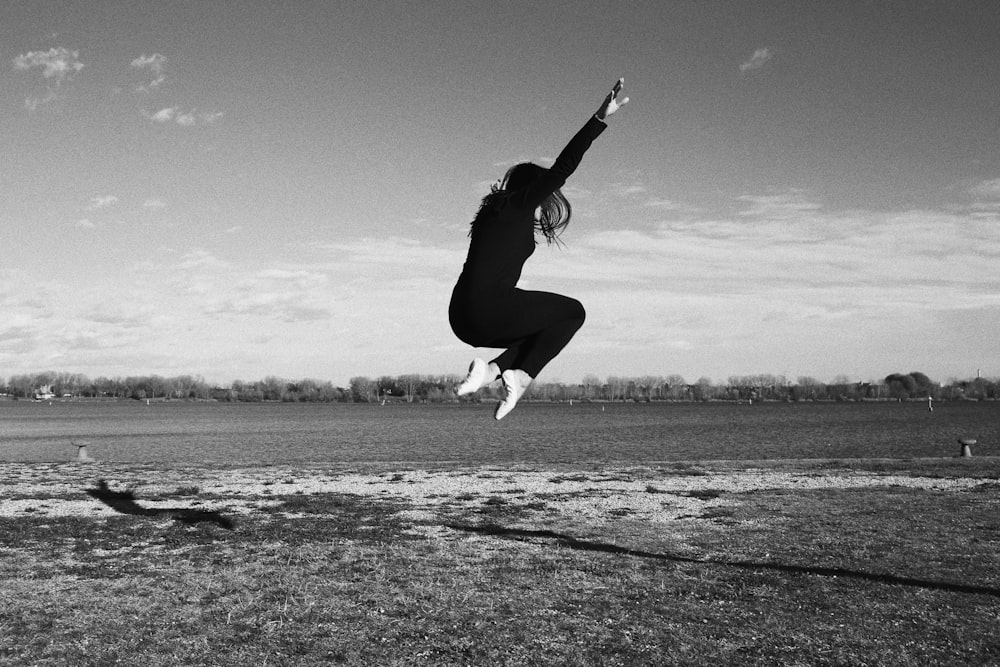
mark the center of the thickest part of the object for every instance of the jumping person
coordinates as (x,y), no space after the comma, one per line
(487,309)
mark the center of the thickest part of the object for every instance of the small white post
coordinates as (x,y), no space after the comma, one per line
(81,452)
(966,443)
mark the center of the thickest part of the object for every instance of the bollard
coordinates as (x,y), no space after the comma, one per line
(81,452)
(966,444)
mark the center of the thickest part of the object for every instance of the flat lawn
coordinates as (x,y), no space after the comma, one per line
(792,563)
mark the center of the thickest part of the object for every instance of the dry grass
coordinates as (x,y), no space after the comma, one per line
(655,565)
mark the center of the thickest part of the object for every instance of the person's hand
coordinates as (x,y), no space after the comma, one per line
(611,103)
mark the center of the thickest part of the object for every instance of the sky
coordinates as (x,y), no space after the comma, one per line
(251,188)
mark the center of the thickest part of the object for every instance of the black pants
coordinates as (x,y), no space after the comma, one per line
(533,326)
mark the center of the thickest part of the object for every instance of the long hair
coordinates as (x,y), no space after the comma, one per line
(554,212)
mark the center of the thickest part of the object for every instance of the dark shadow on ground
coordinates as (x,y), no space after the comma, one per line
(124,502)
(584,545)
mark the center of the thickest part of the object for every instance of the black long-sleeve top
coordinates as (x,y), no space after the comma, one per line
(503,236)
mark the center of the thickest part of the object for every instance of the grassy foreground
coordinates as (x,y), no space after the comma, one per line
(668,564)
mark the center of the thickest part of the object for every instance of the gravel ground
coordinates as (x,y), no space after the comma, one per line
(647,493)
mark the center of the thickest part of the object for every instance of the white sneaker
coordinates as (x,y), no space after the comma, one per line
(514,384)
(479,376)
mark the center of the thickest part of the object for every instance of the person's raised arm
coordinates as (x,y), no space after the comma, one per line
(570,156)
(611,103)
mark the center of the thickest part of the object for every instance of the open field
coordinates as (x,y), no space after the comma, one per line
(466,434)
(888,562)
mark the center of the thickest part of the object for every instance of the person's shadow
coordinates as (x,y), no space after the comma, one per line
(124,502)
(571,542)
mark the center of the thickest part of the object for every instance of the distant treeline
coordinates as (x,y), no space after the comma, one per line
(440,388)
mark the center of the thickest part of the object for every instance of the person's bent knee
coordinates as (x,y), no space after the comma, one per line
(578,313)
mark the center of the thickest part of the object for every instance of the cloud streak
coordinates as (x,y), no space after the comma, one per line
(101,202)
(183,118)
(759,58)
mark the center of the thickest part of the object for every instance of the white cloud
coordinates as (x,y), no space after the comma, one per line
(58,64)
(128,313)
(665,204)
(32,103)
(201,260)
(163,115)
(628,189)
(154,63)
(909,252)
(395,254)
(103,201)
(757,60)
(793,203)
(209,118)
(822,291)
(85,224)
(220,290)
(154,204)
(183,118)
(572,190)
(988,189)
